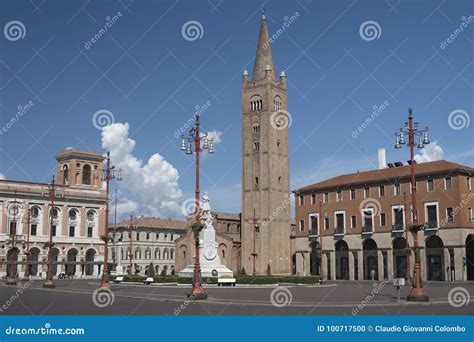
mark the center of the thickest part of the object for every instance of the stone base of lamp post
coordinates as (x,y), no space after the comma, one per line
(418,295)
(49,285)
(11,281)
(197,295)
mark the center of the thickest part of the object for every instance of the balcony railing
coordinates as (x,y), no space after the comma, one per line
(313,234)
(398,227)
(367,229)
(339,231)
(431,225)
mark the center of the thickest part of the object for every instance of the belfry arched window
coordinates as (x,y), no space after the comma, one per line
(256,127)
(65,174)
(86,174)
(277,103)
(256,103)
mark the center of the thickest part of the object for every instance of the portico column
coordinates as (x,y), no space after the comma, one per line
(360,262)
(351,265)
(333,265)
(323,265)
(460,274)
(390,264)
(447,265)
(380,264)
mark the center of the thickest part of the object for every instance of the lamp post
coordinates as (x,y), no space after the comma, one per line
(411,130)
(190,144)
(109,174)
(407,246)
(49,275)
(11,279)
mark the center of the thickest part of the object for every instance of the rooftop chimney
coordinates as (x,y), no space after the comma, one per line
(382,158)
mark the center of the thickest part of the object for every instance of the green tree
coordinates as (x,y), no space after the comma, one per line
(151,270)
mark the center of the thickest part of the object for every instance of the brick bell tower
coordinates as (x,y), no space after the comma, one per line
(265,167)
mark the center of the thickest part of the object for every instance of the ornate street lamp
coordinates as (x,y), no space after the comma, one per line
(411,130)
(11,279)
(107,174)
(49,275)
(190,144)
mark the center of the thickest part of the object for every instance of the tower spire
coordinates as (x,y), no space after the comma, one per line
(263,58)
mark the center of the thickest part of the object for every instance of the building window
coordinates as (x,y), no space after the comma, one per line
(256,128)
(90,231)
(138,236)
(353,221)
(397,213)
(470,218)
(339,220)
(449,215)
(277,103)
(368,219)
(34,228)
(353,194)
(65,174)
(53,228)
(383,219)
(90,216)
(86,174)
(301,200)
(301,225)
(72,230)
(447,183)
(366,192)
(326,197)
(397,189)
(256,182)
(430,185)
(326,223)
(339,196)
(148,236)
(468,183)
(256,105)
(313,198)
(314,224)
(431,215)
(381,191)
(256,145)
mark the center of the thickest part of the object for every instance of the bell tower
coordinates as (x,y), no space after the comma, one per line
(265,168)
(79,169)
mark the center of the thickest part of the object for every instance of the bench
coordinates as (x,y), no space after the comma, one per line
(226,282)
(118,280)
(148,281)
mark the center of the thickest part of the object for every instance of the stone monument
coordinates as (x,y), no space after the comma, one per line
(211,265)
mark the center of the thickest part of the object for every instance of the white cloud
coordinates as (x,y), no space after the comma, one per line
(430,152)
(216,135)
(2,176)
(150,188)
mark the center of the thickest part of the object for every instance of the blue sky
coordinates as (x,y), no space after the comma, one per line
(144,72)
